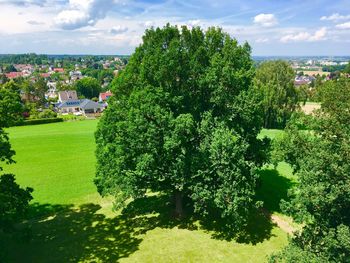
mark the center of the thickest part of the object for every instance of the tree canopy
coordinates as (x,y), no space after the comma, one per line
(275,81)
(88,87)
(184,120)
(321,161)
(13,199)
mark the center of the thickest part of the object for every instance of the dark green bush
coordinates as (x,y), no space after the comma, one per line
(39,121)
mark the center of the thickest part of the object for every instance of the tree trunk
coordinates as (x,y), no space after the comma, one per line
(178,203)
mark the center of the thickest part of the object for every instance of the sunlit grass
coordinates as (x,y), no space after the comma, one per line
(70,222)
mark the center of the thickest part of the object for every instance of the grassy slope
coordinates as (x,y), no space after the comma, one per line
(57,160)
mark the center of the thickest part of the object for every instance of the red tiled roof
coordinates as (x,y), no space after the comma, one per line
(61,70)
(13,75)
(45,75)
(105,95)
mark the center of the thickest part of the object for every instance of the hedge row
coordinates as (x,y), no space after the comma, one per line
(39,121)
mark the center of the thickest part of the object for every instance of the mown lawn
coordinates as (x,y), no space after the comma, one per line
(56,159)
(71,223)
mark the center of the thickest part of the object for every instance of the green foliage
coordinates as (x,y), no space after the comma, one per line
(23,59)
(47,114)
(10,104)
(10,68)
(40,121)
(274,80)
(10,114)
(14,201)
(335,68)
(347,68)
(88,87)
(6,152)
(72,117)
(102,75)
(321,161)
(33,92)
(184,120)
(135,235)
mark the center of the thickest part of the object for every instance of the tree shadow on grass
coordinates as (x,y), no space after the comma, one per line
(258,228)
(65,233)
(273,188)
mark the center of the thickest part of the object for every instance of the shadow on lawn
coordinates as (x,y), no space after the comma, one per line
(273,188)
(64,233)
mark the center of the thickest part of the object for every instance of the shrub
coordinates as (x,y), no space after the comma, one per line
(40,121)
(47,114)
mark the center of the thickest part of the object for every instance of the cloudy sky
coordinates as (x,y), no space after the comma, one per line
(274,27)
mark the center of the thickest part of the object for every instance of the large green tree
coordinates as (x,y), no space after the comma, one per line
(321,201)
(274,80)
(184,121)
(88,87)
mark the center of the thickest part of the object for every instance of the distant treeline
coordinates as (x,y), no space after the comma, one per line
(36,59)
(334,68)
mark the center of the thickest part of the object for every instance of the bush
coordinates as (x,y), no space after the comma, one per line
(47,114)
(40,121)
(72,117)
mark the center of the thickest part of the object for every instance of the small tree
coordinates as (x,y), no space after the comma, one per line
(274,80)
(184,121)
(88,87)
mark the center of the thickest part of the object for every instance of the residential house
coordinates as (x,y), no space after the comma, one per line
(67,95)
(56,70)
(83,107)
(24,67)
(75,75)
(13,75)
(45,75)
(103,97)
(51,90)
(303,80)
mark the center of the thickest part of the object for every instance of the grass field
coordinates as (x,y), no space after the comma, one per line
(70,222)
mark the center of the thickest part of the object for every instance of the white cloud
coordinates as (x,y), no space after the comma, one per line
(118,30)
(262,40)
(335,17)
(149,24)
(266,20)
(81,13)
(35,23)
(193,23)
(23,2)
(343,26)
(305,36)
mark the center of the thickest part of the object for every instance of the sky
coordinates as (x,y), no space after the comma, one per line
(272,28)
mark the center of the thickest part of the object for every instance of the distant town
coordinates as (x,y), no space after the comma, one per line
(67,85)
(80,84)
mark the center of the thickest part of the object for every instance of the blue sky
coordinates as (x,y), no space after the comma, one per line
(275,27)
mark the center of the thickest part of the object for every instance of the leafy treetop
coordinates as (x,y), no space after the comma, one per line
(184,120)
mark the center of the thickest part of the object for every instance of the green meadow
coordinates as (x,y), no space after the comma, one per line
(70,222)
